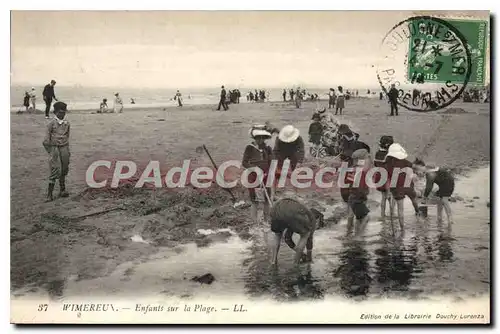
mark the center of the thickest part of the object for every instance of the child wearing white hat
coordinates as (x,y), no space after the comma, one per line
(403,185)
(258,154)
(289,145)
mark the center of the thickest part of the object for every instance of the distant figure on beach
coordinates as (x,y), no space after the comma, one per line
(340,101)
(284,95)
(132,101)
(292,93)
(256,96)
(103,107)
(381,96)
(26,101)
(118,107)
(298,98)
(238,95)
(393,99)
(178,97)
(222,102)
(48,96)
(33,98)
(331,98)
(262,95)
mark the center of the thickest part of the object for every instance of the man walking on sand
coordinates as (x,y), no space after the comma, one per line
(222,101)
(178,97)
(393,99)
(56,143)
(48,96)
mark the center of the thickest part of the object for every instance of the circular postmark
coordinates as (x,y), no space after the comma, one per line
(427,61)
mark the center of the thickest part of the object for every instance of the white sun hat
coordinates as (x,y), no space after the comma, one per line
(258,132)
(289,134)
(397,151)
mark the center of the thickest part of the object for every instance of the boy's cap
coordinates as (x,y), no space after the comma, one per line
(386,141)
(60,106)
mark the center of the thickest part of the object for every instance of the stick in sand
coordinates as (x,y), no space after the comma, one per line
(235,201)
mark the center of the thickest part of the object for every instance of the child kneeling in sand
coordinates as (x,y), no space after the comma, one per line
(258,154)
(294,217)
(444,180)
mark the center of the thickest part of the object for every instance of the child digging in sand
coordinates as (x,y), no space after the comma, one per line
(444,180)
(258,154)
(292,216)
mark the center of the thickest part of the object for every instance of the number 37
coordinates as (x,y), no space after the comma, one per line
(43,307)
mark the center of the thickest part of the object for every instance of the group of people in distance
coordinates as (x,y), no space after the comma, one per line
(288,216)
(48,95)
(117,107)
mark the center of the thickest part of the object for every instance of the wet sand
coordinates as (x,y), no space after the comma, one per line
(52,252)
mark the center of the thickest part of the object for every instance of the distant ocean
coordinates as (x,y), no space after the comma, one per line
(89,98)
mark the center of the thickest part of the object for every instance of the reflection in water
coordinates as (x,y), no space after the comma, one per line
(285,282)
(395,263)
(353,269)
(444,243)
(55,288)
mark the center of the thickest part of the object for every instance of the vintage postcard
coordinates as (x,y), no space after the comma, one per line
(250,167)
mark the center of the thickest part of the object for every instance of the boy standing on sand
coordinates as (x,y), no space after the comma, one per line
(118,107)
(222,102)
(56,143)
(393,99)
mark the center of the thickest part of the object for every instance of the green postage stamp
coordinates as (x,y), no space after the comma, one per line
(428,58)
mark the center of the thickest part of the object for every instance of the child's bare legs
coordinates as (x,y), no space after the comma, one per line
(275,247)
(440,210)
(447,208)
(415,204)
(254,211)
(266,211)
(361,226)
(400,204)
(299,249)
(383,202)
(309,247)
(350,222)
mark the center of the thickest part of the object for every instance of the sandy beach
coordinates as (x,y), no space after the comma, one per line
(85,250)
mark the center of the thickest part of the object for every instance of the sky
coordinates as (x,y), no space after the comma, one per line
(198,49)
